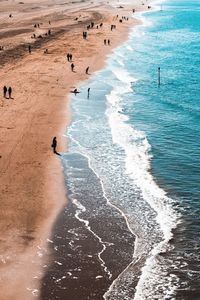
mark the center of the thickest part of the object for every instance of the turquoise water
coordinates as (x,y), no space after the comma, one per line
(142,141)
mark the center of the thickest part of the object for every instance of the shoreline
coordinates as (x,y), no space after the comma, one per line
(21,121)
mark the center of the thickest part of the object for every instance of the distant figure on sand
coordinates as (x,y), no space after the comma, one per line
(72,67)
(87,69)
(54,145)
(5,91)
(10,92)
(29,49)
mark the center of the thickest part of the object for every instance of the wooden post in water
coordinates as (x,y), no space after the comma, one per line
(159,76)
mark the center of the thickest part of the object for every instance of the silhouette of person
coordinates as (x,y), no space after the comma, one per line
(87,69)
(88,93)
(29,48)
(10,92)
(54,145)
(4,91)
(72,67)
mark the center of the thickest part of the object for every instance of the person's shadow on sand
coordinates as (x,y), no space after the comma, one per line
(57,153)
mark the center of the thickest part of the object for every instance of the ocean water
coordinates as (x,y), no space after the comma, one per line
(134,147)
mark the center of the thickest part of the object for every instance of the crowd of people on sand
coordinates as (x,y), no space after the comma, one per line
(7,92)
(40,36)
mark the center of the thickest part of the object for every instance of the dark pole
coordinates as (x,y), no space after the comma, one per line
(159,76)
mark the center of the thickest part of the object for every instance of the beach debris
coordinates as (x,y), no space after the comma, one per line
(50,241)
(35,292)
(69,273)
(58,263)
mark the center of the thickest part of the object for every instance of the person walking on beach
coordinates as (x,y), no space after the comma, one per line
(108,42)
(54,145)
(86,71)
(29,49)
(10,92)
(4,91)
(72,67)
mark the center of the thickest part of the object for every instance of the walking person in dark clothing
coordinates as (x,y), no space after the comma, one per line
(88,93)
(86,71)
(72,67)
(54,145)
(10,92)
(4,91)
(29,49)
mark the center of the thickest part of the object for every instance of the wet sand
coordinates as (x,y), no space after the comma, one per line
(91,244)
(31,180)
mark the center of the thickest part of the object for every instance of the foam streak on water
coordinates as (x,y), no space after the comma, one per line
(138,159)
(80,209)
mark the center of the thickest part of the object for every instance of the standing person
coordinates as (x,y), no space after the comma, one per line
(72,67)
(86,71)
(10,92)
(88,93)
(4,91)
(54,145)
(29,49)
(104,42)
(108,42)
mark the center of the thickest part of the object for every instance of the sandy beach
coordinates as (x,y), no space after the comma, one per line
(31,181)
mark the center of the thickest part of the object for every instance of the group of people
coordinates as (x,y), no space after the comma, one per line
(107,42)
(7,90)
(112,27)
(36,25)
(69,56)
(84,34)
(124,18)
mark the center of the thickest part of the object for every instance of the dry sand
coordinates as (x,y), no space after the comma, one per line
(32,189)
